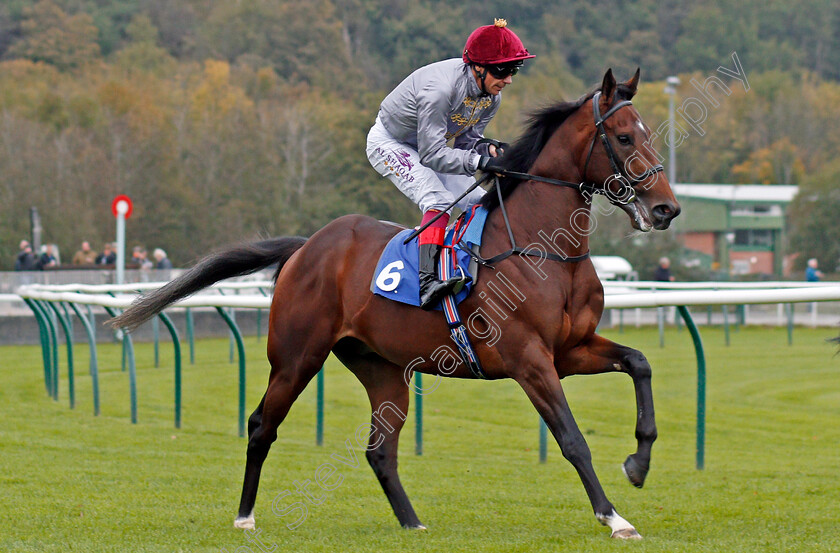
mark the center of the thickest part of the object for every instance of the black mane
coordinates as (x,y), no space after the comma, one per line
(522,154)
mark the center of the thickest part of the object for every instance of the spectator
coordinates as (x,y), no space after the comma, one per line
(48,258)
(84,256)
(161,260)
(812,272)
(108,256)
(140,257)
(26,260)
(663,271)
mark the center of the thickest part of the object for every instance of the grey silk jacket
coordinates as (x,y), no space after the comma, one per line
(435,104)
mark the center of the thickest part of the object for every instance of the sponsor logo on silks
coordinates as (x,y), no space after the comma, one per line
(403,159)
(398,165)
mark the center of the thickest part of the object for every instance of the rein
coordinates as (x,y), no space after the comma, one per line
(514,249)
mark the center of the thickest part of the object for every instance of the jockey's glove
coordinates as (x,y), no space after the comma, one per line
(491,164)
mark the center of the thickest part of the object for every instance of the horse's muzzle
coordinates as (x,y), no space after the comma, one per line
(662,215)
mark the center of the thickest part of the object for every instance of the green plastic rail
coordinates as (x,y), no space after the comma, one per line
(237,336)
(176,344)
(725,309)
(68,336)
(259,315)
(94,367)
(418,414)
(128,355)
(52,352)
(45,344)
(319,409)
(54,342)
(156,334)
(191,335)
(789,309)
(701,385)
(51,332)
(543,441)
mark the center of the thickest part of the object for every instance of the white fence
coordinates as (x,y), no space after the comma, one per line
(620,295)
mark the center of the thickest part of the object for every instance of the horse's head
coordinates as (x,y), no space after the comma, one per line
(597,145)
(620,160)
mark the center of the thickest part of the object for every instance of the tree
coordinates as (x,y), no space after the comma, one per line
(8,29)
(143,53)
(814,214)
(302,40)
(51,36)
(780,163)
(177,23)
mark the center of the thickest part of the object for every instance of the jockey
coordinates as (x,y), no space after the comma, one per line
(425,135)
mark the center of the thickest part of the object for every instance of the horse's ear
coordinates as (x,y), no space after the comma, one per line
(633,83)
(608,86)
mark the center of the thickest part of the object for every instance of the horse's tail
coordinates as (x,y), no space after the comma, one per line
(239,260)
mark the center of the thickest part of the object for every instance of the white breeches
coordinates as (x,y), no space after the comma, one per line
(400,163)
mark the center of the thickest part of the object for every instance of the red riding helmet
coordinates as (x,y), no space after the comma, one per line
(494,44)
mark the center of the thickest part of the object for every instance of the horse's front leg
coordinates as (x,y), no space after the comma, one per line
(544,390)
(599,355)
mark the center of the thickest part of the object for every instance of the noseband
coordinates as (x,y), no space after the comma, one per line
(627,192)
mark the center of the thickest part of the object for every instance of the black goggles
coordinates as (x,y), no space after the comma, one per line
(504,70)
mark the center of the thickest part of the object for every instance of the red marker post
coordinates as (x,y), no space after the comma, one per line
(121,207)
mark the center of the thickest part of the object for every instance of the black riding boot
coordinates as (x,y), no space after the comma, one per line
(433,290)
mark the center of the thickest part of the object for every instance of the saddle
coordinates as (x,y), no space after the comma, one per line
(396,275)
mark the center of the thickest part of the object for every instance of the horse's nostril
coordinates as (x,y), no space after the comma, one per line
(661,212)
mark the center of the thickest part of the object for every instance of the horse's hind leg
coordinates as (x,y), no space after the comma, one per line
(388,394)
(291,371)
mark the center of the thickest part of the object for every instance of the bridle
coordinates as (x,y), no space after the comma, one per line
(626,193)
(618,172)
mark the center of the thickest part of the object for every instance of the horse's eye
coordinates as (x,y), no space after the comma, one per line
(624,139)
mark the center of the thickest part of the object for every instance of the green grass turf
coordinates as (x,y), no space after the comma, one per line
(70,481)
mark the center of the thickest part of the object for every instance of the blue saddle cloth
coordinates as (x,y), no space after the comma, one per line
(396,276)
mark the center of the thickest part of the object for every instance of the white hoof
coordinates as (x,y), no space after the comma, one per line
(245,523)
(626,534)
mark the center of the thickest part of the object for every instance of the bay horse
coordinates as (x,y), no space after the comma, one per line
(322,300)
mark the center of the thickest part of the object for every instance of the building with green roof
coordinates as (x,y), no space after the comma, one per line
(737,229)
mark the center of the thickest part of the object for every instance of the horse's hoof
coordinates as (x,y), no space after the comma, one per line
(634,472)
(244,523)
(626,534)
(415,527)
